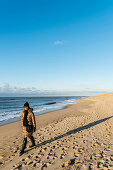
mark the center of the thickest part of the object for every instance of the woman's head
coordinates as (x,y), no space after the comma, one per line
(26,106)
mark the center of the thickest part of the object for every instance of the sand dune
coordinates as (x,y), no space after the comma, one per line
(77,137)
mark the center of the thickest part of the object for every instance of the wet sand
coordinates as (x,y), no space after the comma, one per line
(77,137)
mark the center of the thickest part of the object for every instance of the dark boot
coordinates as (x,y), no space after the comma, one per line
(32,140)
(23,146)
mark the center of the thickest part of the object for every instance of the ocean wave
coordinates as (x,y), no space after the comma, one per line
(50,103)
(9,115)
(39,108)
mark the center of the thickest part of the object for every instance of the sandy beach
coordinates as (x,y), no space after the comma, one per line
(77,137)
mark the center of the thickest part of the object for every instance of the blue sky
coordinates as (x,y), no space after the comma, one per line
(60,45)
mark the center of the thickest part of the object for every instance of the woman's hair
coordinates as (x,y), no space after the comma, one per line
(26,104)
(25,122)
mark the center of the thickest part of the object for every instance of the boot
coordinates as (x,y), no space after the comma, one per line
(32,140)
(23,146)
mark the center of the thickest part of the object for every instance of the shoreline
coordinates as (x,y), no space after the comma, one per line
(78,136)
(37,115)
(15,123)
(44,112)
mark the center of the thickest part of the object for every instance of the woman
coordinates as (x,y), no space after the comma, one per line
(28,126)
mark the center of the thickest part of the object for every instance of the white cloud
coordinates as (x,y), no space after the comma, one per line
(8,90)
(58,42)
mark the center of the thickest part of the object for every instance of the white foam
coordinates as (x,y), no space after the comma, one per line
(5,116)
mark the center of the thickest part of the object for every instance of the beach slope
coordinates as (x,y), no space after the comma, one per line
(77,137)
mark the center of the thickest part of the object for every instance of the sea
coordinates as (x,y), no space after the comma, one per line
(11,107)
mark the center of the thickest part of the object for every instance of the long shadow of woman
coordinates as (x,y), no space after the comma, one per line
(71,132)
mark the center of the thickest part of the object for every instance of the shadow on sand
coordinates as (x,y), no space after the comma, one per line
(70,132)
